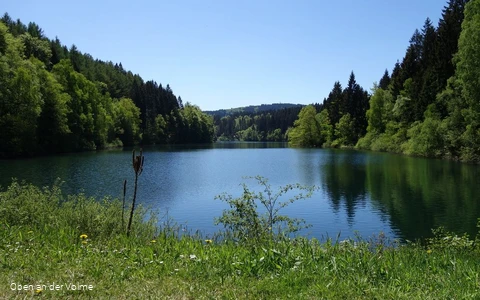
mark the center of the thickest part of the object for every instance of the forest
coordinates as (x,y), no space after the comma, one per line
(57,99)
(244,124)
(428,106)
(313,129)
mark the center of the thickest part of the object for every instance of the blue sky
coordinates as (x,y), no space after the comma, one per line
(222,54)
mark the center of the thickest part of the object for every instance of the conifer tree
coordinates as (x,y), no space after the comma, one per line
(384,81)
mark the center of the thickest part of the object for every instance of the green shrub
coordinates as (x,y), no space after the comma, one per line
(245,224)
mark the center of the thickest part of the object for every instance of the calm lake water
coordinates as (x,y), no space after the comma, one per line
(364,192)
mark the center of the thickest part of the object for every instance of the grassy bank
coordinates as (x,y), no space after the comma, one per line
(48,239)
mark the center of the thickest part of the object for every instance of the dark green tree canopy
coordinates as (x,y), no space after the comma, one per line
(57,99)
(384,81)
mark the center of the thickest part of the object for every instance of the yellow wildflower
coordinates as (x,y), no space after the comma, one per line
(38,291)
(429,251)
(84,242)
(153,241)
(83,236)
(208,241)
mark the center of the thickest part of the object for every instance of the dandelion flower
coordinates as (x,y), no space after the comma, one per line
(208,241)
(429,251)
(38,291)
(153,241)
(84,242)
(83,236)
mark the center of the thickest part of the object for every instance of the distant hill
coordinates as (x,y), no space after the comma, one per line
(251,109)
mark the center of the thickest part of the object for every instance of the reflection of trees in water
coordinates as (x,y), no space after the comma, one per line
(389,187)
(421,194)
(343,179)
(416,194)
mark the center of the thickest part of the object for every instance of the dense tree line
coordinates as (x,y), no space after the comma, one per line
(251,109)
(339,121)
(429,105)
(255,126)
(57,99)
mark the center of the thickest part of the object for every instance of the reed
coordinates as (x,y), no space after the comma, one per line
(137,164)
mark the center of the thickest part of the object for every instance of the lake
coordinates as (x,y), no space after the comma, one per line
(358,192)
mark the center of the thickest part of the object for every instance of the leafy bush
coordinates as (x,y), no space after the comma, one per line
(365,142)
(245,224)
(426,139)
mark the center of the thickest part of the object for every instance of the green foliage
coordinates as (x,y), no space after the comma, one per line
(444,240)
(53,122)
(127,121)
(326,128)
(468,65)
(414,111)
(247,225)
(275,135)
(365,142)
(83,104)
(467,58)
(356,102)
(454,124)
(199,124)
(344,131)
(380,127)
(394,138)
(384,81)
(250,134)
(335,103)
(255,125)
(343,110)
(20,98)
(55,99)
(306,131)
(47,210)
(425,138)
(379,112)
(36,47)
(161,129)
(431,116)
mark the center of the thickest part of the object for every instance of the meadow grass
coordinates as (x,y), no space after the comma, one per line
(47,238)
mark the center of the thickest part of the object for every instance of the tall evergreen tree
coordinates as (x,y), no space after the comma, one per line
(356,103)
(384,81)
(335,103)
(426,85)
(396,81)
(449,28)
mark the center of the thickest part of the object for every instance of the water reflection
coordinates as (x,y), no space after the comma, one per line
(415,194)
(343,178)
(218,145)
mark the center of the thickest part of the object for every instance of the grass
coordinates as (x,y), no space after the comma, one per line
(42,243)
